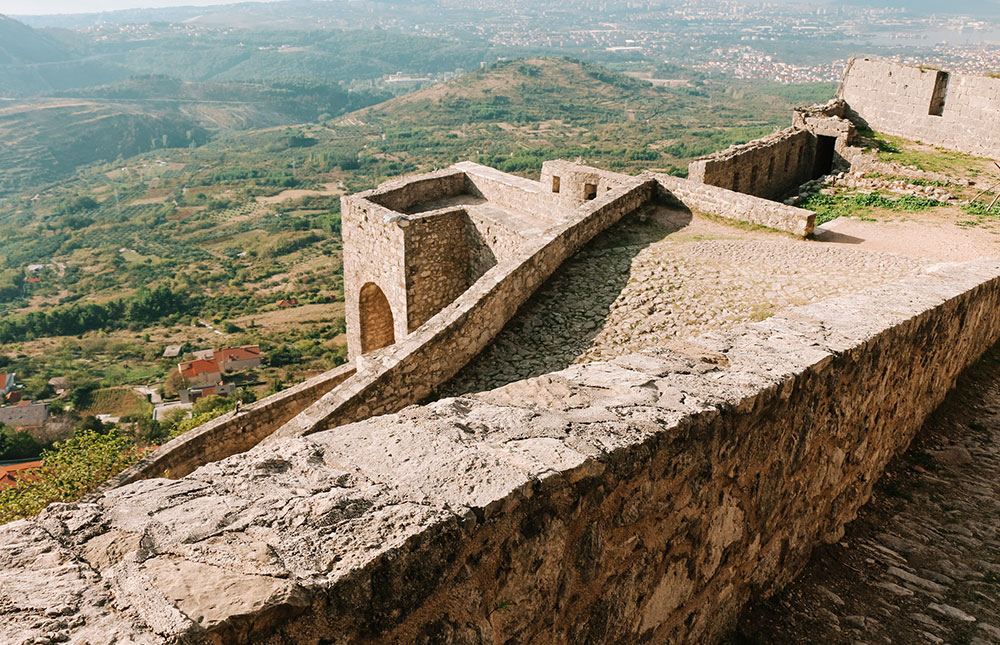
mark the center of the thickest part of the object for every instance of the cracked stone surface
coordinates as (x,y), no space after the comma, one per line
(922,562)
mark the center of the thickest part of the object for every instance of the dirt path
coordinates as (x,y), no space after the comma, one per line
(921,564)
(919,236)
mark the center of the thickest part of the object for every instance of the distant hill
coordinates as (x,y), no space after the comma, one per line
(32,62)
(19,43)
(48,138)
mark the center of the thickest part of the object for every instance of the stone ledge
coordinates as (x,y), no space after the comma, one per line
(640,500)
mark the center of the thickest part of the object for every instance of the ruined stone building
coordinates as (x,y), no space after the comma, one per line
(643,499)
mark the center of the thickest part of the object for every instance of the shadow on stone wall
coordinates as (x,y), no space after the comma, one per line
(558,324)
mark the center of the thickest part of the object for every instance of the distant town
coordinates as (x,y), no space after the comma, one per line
(744,40)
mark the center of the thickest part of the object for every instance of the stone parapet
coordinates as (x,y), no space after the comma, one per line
(729,204)
(642,500)
(231,433)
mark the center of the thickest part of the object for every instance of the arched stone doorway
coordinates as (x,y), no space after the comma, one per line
(376,318)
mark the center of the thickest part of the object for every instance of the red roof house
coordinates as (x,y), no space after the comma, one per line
(200,372)
(10,475)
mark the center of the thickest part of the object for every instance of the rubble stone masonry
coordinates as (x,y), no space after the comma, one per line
(957,112)
(645,499)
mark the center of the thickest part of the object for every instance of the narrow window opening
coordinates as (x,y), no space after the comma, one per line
(770,169)
(589,191)
(940,94)
(555,184)
(736,181)
(753,179)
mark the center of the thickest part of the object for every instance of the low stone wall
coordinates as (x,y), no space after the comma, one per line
(900,100)
(640,501)
(18,416)
(510,192)
(767,167)
(401,194)
(408,371)
(231,433)
(735,206)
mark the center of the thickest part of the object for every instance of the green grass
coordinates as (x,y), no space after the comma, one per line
(118,402)
(830,207)
(900,151)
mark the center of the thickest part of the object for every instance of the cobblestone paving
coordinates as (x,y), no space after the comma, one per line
(922,562)
(609,300)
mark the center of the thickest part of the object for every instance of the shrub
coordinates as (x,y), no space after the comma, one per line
(73,468)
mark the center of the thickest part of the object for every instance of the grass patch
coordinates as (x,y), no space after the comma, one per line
(761,312)
(980,209)
(118,402)
(830,207)
(900,151)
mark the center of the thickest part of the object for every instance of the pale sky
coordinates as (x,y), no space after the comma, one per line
(36,7)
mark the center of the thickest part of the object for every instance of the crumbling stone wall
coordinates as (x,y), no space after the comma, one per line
(642,500)
(900,100)
(768,167)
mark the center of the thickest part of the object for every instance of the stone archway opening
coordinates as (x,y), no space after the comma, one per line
(376,319)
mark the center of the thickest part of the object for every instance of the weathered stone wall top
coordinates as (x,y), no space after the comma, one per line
(643,500)
(572,184)
(767,167)
(729,204)
(954,111)
(402,194)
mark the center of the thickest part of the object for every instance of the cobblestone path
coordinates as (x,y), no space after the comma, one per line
(921,564)
(639,285)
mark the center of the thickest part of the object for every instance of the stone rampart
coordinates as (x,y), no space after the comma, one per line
(642,500)
(953,111)
(514,260)
(231,433)
(439,267)
(721,202)
(408,372)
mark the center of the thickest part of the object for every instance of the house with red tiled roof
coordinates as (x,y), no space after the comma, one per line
(210,364)
(10,475)
(200,372)
(237,359)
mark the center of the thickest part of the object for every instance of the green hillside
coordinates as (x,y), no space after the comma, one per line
(33,62)
(20,43)
(47,139)
(221,232)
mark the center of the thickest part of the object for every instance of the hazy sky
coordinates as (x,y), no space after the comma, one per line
(34,7)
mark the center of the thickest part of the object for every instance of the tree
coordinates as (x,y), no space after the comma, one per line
(73,468)
(18,445)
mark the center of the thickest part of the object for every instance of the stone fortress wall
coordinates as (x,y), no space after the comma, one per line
(516,233)
(640,500)
(954,111)
(775,165)
(424,285)
(645,499)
